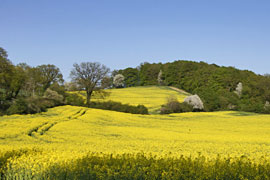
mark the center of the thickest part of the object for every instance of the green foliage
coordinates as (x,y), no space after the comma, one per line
(22,87)
(49,74)
(31,105)
(214,84)
(148,74)
(60,89)
(131,76)
(12,79)
(19,106)
(74,99)
(53,96)
(184,107)
(174,106)
(117,106)
(267,110)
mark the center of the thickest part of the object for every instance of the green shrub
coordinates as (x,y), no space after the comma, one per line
(267,110)
(31,105)
(18,106)
(142,109)
(53,96)
(117,106)
(185,107)
(165,110)
(74,99)
(174,106)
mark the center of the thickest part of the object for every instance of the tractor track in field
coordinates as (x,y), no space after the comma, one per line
(45,127)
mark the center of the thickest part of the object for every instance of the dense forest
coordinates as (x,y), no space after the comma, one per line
(25,89)
(216,85)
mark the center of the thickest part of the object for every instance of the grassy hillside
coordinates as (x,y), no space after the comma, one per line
(150,96)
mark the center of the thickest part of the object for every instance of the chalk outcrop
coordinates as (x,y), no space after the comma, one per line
(195,101)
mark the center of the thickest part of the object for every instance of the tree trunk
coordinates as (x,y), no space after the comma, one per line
(88,97)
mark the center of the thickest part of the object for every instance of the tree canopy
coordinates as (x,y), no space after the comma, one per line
(215,84)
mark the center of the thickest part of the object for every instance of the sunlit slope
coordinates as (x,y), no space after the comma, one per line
(150,96)
(78,130)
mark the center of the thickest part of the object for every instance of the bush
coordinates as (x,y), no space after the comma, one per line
(117,106)
(185,107)
(18,106)
(74,99)
(165,110)
(37,104)
(174,106)
(54,96)
(34,105)
(142,109)
(31,105)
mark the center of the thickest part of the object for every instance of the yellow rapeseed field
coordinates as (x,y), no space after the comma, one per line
(150,96)
(70,128)
(66,133)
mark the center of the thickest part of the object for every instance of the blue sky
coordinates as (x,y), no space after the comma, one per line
(125,33)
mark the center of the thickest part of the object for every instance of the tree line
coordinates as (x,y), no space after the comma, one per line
(216,85)
(25,89)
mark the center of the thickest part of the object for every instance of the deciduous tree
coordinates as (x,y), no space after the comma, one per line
(89,75)
(48,75)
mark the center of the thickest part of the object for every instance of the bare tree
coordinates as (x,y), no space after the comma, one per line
(89,75)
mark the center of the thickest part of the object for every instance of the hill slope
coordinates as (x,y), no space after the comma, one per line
(214,84)
(150,96)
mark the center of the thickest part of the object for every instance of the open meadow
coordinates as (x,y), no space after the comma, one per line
(33,145)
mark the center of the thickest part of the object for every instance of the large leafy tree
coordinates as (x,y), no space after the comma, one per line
(3,53)
(47,75)
(89,75)
(12,77)
(131,76)
(6,73)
